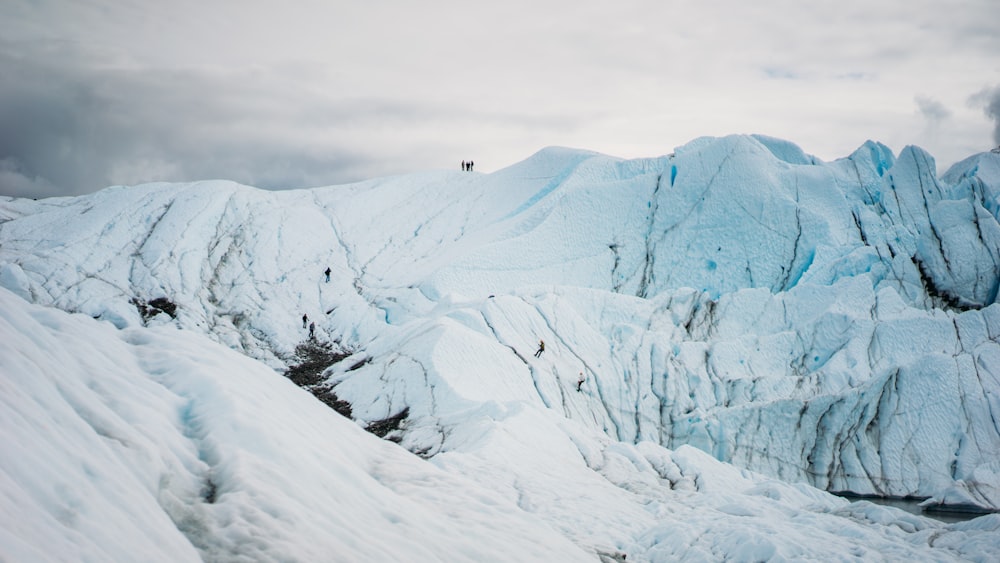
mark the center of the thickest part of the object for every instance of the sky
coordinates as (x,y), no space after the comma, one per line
(304,93)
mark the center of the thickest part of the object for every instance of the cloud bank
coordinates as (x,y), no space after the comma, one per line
(307,93)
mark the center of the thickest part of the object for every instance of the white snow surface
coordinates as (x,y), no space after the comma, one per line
(751,323)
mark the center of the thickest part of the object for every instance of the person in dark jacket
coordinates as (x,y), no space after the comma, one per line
(541,348)
(327,272)
(305,319)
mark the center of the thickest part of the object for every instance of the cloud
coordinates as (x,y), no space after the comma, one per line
(14,183)
(933,110)
(307,93)
(72,122)
(989,100)
(69,124)
(781,73)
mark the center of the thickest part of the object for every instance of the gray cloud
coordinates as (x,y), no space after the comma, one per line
(70,123)
(69,126)
(989,100)
(16,183)
(933,110)
(308,92)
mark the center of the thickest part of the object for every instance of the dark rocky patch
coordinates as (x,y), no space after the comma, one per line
(382,428)
(209,491)
(313,358)
(330,399)
(155,307)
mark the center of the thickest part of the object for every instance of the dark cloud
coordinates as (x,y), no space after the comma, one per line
(989,100)
(71,126)
(71,123)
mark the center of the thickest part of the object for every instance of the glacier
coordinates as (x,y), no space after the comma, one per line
(746,316)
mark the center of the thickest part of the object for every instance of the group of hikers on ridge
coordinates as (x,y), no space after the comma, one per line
(467,166)
(579,380)
(305,317)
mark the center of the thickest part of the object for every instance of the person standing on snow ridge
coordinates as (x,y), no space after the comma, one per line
(327,272)
(541,348)
(305,319)
(463,166)
(312,330)
(579,382)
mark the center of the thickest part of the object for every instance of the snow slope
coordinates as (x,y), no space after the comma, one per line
(825,323)
(160,445)
(149,444)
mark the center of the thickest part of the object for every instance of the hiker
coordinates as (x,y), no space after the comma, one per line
(463,166)
(305,319)
(327,272)
(470,166)
(541,348)
(312,330)
(579,382)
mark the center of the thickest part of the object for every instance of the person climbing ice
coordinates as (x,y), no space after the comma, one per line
(541,348)
(312,330)
(579,381)
(305,319)
(327,272)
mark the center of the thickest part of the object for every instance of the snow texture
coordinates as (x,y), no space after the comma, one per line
(751,322)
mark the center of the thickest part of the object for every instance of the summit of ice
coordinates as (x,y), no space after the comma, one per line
(750,322)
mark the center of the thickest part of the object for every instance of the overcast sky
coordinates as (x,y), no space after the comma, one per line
(302,93)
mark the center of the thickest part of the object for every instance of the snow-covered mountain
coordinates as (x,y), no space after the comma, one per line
(831,324)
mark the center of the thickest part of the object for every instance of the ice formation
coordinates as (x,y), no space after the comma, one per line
(806,323)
